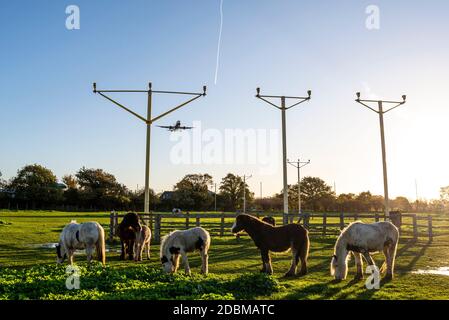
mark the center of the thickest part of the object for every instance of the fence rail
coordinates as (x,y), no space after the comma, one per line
(219,224)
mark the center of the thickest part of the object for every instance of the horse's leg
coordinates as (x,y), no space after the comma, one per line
(303,257)
(70,254)
(295,260)
(185,260)
(389,252)
(89,252)
(136,249)
(267,261)
(368,258)
(264,265)
(359,265)
(148,250)
(176,262)
(141,247)
(204,262)
(131,250)
(122,255)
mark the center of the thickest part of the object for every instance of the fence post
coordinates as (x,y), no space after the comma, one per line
(356,216)
(376,217)
(306,220)
(324,223)
(187,220)
(111,226)
(429,226)
(157,229)
(415,227)
(115,222)
(342,221)
(198,221)
(222,225)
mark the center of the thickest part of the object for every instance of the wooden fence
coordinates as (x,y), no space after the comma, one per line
(324,224)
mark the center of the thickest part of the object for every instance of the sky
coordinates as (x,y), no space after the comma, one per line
(49,114)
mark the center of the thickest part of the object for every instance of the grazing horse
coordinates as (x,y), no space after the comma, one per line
(269,220)
(77,236)
(277,239)
(362,239)
(143,239)
(127,232)
(178,243)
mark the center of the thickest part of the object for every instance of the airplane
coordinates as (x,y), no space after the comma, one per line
(176,127)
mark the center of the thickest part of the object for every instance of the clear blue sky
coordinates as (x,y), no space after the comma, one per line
(50,116)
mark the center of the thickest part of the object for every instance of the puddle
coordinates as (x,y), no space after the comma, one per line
(52,245)
(443,271)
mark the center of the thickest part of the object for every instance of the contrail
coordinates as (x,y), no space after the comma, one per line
(219,40)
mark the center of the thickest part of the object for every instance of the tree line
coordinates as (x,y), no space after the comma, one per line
(36,187)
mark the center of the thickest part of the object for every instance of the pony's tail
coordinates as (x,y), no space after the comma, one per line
(304,250)
(101,247)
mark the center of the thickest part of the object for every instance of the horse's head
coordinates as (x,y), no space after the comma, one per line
(131,220)
(269,220)
(61,254)
(169,259)
(241,221)
(339,266)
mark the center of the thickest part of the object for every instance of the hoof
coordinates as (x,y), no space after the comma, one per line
(289,275)
(388,277)
(358,277)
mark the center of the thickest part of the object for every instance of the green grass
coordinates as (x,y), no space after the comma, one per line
(28,270)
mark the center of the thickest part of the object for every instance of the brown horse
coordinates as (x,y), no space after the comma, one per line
(277,239)
(127,232)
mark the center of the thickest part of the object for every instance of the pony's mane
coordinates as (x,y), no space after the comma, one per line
(165,241)
(257,220)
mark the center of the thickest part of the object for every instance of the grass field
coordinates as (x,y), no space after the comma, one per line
(28,269)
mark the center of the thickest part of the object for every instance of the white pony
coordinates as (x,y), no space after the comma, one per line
(362,239)
(77,236)
(178,243)
(143,239)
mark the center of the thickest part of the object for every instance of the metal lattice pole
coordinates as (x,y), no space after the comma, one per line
(380,111)
(148,120)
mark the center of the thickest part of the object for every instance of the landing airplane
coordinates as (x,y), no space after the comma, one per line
(176,127)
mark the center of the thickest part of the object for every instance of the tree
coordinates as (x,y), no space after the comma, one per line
(444,193)
(315,193)
(192,192)
(99,189)
(2,182)
(346,202)
(363,201)
(71,194)
(231,190)
(401,204)
(70,181)
(36,185)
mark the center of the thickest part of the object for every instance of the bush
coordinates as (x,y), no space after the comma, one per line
(130,283)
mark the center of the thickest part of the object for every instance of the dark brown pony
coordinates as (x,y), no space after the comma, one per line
(269,220)
(277,239)
(127,232)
